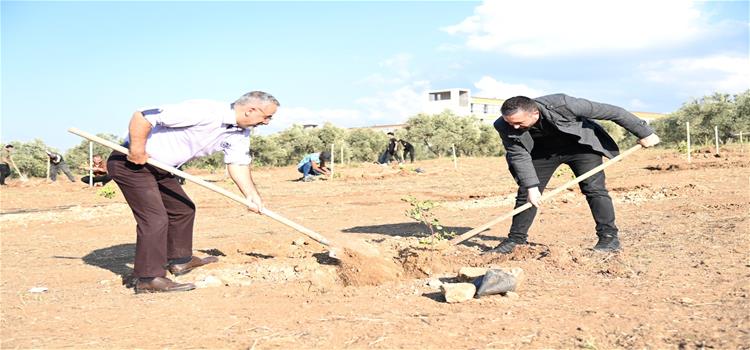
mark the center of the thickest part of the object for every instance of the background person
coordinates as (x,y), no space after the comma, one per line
(408,148)
(541,134)
(314,164)
(99,169)
(5,163)
(174,134)
(57,164)
(390,150)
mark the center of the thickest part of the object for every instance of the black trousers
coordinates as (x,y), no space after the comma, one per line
(410,151)
(593,188)
(56,168)
(164,214)
(4,172)
(102,178)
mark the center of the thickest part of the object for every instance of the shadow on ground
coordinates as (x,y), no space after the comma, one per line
(435,296)
(405,229)
(483,242)
(115,258)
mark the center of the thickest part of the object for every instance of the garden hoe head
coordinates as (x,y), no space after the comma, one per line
(334,253)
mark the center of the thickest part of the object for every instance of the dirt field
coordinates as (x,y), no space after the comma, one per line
(682,281)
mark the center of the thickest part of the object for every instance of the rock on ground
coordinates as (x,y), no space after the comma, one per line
(458,292)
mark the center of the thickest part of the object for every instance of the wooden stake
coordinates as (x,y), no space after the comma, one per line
(333,163)
(742,145)
(688,141)
(91,164)
(716,138)
(455,163)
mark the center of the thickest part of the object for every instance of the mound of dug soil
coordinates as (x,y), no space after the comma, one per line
(357,269)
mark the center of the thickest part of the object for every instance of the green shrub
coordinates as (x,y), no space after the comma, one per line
(731,114)
(108,191)
(31,158)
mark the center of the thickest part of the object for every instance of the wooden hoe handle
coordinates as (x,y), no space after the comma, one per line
(310,233)
(546,196)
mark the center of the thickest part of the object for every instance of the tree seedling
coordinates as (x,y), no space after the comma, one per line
(107,192)
(421,212)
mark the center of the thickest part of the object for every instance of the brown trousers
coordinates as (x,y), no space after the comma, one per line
(164,214)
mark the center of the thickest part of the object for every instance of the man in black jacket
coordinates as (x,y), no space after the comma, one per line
(391,150)
(408,149)
(5,163)
(541,134)
(57,164)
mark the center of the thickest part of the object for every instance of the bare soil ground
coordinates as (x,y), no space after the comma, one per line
(682,281)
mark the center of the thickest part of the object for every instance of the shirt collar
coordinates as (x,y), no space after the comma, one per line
(538,125)
(229,118)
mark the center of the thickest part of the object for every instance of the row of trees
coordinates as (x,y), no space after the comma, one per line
(730,113)
(31,157)
(433,136)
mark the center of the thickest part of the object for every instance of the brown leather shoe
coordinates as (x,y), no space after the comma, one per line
(161,285)
(181,269)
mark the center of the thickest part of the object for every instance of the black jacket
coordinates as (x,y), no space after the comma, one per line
(392,146)
(572,116)
(55,158)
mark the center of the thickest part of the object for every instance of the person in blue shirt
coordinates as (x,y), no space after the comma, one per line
(314,164)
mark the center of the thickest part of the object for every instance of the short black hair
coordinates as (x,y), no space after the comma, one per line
(514,104)
(325,156)
(9,146)
(390,133)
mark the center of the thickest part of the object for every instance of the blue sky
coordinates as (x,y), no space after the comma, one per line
(91,64)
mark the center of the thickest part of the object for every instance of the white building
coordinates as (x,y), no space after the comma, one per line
(456,100)
(460,102)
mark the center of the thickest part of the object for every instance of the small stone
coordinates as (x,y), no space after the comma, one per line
(512,295)
(299,242)
(458,292)
(209,282)
(245,283)
(38,290)
(686,300)
(434,283)
(468,274)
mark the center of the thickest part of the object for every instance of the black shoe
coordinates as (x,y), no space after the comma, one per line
(607,243)
(505,247)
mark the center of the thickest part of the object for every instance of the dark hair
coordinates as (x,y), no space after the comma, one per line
(325,156)
(9,146)
(390,133)
(514,104)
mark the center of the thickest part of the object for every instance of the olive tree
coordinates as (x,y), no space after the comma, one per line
(77,157)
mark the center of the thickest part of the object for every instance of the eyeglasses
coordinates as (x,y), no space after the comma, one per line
(265,116)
